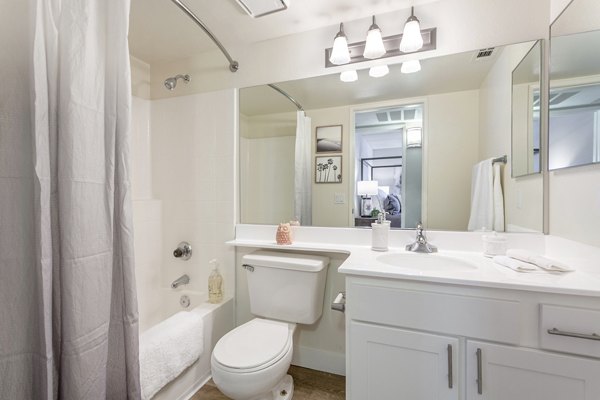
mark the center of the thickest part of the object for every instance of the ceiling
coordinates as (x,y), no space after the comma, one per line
(445,74)
(160,32)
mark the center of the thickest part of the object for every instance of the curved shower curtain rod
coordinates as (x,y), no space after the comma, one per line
(233,65)
(290,98)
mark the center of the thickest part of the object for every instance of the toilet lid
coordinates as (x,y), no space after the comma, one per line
(253,344)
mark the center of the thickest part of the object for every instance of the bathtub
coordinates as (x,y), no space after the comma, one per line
(218,320)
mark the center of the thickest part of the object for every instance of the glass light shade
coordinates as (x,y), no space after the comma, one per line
(379,71)
(349,76)
(408,67)
(340,53)
(411,36)
(374,47)
(366,188)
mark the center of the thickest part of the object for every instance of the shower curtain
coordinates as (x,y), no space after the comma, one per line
(303,168)
(68,315)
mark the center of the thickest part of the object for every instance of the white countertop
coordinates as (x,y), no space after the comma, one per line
(362,261)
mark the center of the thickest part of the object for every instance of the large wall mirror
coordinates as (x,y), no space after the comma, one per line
(574,109)
(404,142)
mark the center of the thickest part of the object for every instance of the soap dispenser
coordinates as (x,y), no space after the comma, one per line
(215,283)
(380,233)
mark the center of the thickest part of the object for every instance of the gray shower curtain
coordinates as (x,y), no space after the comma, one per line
(68,311)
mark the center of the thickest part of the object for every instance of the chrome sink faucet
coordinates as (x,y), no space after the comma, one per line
(420,245)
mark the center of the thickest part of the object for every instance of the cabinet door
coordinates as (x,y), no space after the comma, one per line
(496,372)
(389,363)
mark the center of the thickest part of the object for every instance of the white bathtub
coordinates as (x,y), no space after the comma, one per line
(218,320)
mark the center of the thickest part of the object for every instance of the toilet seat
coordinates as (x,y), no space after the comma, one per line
(253,346)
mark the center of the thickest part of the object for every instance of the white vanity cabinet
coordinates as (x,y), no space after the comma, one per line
(503,372)
(391,363)
(409,340)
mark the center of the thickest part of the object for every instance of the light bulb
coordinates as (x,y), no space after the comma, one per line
(374,47)
(408,67)
(379,71)
(340,53)
(411,36)
(349,76)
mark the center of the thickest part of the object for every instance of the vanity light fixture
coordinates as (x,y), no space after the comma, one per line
(410,66)
(412,40)
(340,53)
(374,47)
(378,71)
(349,76)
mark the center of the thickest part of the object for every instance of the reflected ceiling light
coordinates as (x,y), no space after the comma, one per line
(340,53)
(349,76)
(408,67)
(379,71)
(374,47)
(411,36)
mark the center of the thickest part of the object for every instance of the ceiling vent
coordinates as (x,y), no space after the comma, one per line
(484,54)
(396,115)
(260,8)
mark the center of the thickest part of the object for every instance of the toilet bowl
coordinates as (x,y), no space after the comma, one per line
(251,361)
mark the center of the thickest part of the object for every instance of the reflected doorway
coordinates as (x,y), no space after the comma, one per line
(388,165)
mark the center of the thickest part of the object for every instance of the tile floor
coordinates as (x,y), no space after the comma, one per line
(308,385)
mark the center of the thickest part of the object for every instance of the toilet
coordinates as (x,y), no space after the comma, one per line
(251,361)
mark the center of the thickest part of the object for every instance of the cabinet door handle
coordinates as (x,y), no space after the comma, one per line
(555,331)
(450,378)
(479,373)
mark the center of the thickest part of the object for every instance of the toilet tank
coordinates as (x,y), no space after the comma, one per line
(286,286)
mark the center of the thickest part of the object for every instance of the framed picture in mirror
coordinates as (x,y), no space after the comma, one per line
(328,139)
(328,169)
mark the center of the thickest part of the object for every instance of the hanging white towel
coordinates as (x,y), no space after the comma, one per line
(487,200)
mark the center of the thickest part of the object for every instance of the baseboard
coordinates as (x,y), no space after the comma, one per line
(320,360)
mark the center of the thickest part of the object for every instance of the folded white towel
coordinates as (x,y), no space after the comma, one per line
(514,264)
(541,261)
(168,348)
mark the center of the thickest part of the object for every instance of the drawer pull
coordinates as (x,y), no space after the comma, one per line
(555,331)
(479,372)
(450,373)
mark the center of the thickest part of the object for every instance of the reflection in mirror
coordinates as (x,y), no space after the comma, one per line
(526,114)
(574,100)
(409,146)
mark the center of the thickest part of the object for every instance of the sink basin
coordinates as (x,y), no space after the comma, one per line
(425,262)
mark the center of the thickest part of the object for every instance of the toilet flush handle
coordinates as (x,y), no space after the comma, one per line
(339,304)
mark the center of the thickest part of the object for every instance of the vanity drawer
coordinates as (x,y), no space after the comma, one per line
(471,316)
(570,329)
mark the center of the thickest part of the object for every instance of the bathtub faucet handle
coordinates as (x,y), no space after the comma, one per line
(183,251)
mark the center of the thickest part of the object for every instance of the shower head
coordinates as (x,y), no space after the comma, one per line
(171,82)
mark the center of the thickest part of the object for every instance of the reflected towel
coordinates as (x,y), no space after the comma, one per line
(168,348)
(487,199)
(541,261)
(514,264)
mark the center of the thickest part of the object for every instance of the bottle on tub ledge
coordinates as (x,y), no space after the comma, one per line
(215,283)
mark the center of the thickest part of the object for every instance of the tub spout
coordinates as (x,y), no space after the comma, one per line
(182,280)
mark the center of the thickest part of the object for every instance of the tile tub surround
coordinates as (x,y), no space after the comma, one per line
(465,245)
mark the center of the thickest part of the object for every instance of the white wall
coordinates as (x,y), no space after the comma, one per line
(451,131)
(463,25)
